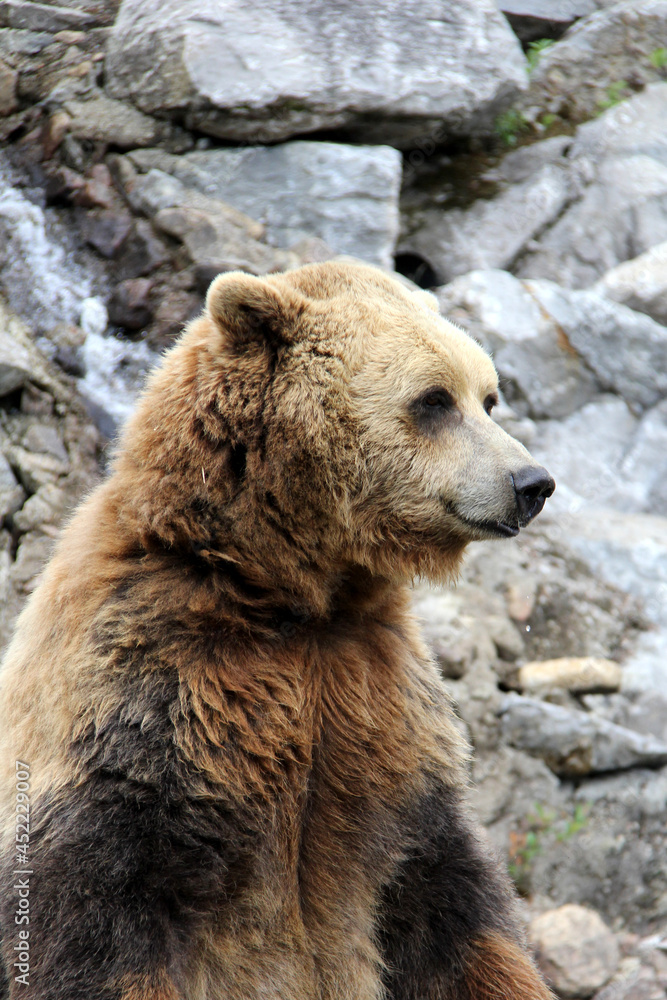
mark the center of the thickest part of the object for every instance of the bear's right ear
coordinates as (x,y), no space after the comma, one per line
(251,309)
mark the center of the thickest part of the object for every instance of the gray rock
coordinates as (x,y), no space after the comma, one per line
(508,783)
(628,551)
(32,16)
(45,439)
(46,506)
(618,162)
(644,466)
(607,456)
(345,195)
(575,950)
(643,711)
(491,233)
(640,284)
(565,209)
(103,119)
(217,236)
(17,354)
(8,84)
(11,493)
(575,743)
(626,350)
(541,373)
(585,452)
(391,74)
(32,555)
(574,77)
(37,470)
(533,19)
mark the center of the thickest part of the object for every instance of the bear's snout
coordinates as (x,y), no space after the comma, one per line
(532,486)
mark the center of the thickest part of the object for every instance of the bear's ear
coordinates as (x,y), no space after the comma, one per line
(427,299)
(252,309)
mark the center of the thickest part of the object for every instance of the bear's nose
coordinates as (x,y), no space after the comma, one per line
(532,486)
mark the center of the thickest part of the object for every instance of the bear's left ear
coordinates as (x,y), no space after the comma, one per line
(251,309)
(427,299)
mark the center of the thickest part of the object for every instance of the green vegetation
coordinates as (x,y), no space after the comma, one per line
(658,58)
(616,92)
(548,119)
(535,50)
(539,826)
(509,126)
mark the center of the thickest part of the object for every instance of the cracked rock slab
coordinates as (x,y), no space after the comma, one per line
(386,73)
(542,374)
(344,195)
(574,744)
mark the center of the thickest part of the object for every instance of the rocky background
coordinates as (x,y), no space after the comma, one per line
(514,159)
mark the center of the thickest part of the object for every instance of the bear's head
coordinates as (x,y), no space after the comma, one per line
(320,423)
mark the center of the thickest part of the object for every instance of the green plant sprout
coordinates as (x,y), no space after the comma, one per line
(616,92)
(535,51)
(509,125)
(527,843)
(658,58)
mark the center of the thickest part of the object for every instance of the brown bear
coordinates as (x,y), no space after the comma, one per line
(241,767)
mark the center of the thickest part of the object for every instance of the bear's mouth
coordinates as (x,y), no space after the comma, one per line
(495,529)
(499,529)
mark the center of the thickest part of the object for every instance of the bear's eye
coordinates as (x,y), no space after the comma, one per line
(436,399)
(490,401)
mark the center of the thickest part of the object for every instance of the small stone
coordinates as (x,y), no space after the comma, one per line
(580,675)
(15,358)
(506,637)
(44,439)
(106,120)
(129,305)
(8,81)
(176,307)
(54,132)
(575,950)
(93,194)
(640,283)
(67,335)
(11,493)
(143,252)
(520,599)
(36,470)
(32,555)
(36,402)
(46,506)
(106,231)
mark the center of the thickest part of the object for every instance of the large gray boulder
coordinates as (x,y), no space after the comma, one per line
(626,350)
(390,73)
(492,233)
(600,59)
(542,375)
(567,209)
(620,161)
(345,195)
(640,283)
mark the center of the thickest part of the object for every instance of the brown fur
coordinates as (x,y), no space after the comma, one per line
(502,971)
(223,642)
